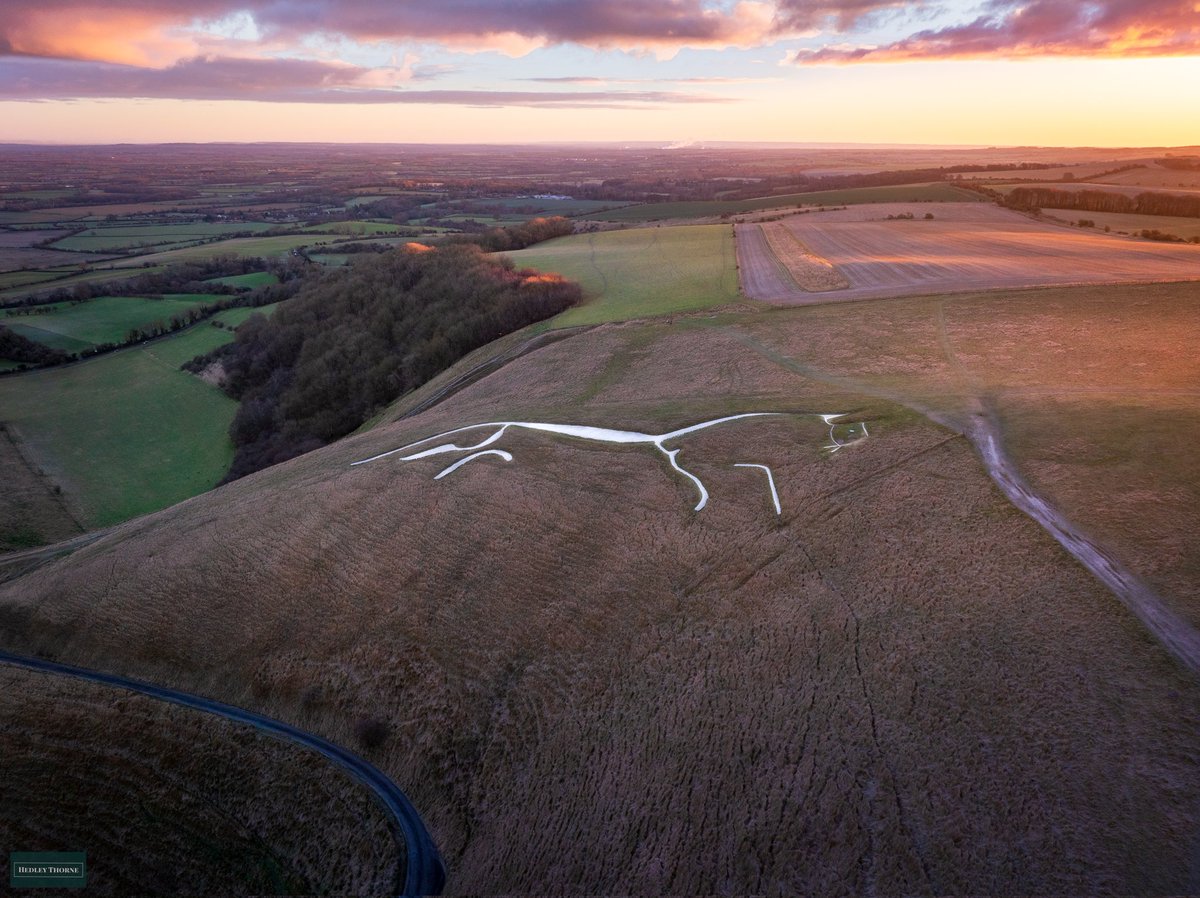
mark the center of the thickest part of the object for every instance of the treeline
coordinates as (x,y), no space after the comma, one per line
(675,189)
(515,237)
(492,239)
(182,277)
(29,353)
(1034,199)
(1181,163)
(354,339)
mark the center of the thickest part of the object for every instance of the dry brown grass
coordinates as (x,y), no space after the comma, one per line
(1098,390)
(810,271)
(170,801)
(900,685)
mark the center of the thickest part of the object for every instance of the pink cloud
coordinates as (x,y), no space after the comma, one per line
(1015,28)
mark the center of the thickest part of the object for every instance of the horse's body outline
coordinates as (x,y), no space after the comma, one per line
(599,434)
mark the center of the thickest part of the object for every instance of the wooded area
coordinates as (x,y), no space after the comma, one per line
(357,338)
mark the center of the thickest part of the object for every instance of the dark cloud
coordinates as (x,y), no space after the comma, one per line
(277,81)
(1046,28)
(840,15)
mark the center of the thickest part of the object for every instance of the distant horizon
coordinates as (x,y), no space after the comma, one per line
(829,72)
(665,144)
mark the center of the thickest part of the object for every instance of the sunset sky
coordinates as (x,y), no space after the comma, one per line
(1050,72)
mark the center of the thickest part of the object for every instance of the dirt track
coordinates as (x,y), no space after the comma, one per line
(966,247)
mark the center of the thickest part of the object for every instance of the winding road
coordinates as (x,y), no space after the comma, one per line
(424,872)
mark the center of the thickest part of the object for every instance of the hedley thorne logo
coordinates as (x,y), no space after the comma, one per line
(47,869)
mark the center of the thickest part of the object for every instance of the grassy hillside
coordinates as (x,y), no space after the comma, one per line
(128,432)
(1095,389)
(641,272)
(914,193)
(203,800)
(593,687)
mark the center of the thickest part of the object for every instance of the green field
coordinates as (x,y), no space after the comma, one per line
(1132,224)
(107,239)
(252,280)
(641,272)
(355,228)
(88,277)
(24,278)
(332,260)
(911,193)
(106,319)
(244,247)
(567,207)
(234,317)
(126,433)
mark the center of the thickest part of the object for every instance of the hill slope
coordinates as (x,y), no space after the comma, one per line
(899,683)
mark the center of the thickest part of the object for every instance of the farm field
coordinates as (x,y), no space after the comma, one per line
(106,319)
(252,280)
(335,260)
(640,272)
(203,798)
(965,247)
(355,228)
(1132,224)
(1125,189)
(113,239)
(245,247)
(1157,178)
(234,317)
(85,277)
(522,208)
(917,193)
(564,625)
(1148,176)
(807,271)
(15,257)
(128,432)
(25,278)
(26,238)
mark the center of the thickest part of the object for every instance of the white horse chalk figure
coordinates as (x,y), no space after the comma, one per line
(598,434)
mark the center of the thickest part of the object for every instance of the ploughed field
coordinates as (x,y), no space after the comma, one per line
(898,683)
(965,247)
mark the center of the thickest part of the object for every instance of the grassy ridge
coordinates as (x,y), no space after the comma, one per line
(641,272)
(915,193)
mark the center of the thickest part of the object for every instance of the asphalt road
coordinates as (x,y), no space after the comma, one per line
(424,874)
